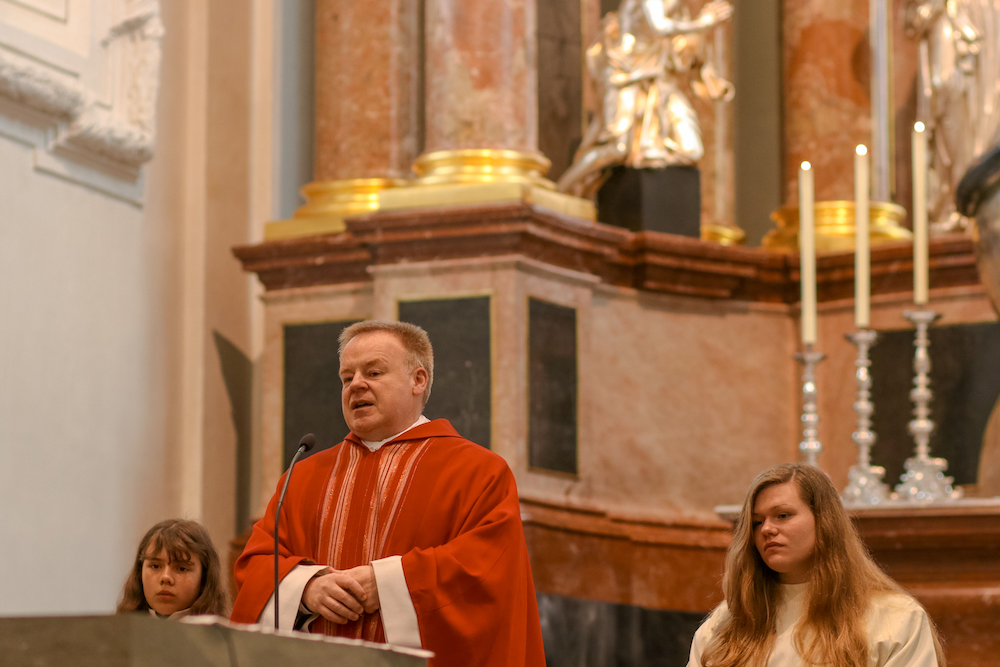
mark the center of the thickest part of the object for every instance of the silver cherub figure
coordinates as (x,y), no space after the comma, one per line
(638,63)
(958,92)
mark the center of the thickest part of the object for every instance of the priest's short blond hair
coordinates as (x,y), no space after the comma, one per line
(416,342)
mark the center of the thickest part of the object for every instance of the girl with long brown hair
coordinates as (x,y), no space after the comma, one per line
(176,573)
(801,588)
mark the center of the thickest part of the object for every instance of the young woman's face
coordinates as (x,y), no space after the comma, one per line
(170,585)
(784,532)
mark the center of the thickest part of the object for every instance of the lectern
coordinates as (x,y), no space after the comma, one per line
(136,640)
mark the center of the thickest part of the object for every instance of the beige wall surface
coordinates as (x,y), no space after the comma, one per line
(126,326)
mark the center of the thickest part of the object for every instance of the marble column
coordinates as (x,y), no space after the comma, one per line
(368,111)
(827,106)
(481,111)
(481,89)
(367,88)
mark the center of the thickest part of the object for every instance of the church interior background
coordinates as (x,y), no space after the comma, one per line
(170,301)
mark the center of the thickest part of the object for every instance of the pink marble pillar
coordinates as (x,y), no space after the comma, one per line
(367,78)
(481,78)
(827,105)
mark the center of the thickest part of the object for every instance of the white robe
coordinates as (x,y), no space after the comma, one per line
(899,632)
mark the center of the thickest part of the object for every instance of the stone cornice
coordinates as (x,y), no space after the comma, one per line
(648,261)
(115,135)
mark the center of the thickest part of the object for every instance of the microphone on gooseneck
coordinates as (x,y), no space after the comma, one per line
(305,444)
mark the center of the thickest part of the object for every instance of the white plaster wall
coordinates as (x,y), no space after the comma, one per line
(82,389)
(111,398)
(89,297)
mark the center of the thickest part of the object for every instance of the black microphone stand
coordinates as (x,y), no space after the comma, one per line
(305,444)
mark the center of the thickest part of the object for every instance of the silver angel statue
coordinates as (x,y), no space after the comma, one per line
(639,61)
(958,92)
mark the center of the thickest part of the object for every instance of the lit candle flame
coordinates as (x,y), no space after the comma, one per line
(918,126)
(861,149)
(806,166)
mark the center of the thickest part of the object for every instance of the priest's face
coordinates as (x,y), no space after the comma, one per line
(784,532)
(382,395)
(170,585)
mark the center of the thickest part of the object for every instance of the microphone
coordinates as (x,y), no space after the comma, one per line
(305,444)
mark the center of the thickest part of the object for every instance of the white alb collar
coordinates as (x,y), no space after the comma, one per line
(373,446)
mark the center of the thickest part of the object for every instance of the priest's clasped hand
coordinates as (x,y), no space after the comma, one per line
(341,596)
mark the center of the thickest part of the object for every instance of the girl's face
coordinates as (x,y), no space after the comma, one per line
(170,585)
(784,532)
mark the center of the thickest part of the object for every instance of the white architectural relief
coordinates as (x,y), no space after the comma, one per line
(39,88)
(108,125)
(125,132)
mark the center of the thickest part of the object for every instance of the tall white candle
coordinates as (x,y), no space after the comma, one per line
(807,253)
(919,214)
(862,254)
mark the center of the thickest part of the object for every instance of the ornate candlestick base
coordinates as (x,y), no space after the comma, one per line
(924,479)
(866,486)
(810,447)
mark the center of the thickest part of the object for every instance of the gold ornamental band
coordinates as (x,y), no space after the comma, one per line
(835,226)
(482,165)
(328,203)
(483,176)
(722,234)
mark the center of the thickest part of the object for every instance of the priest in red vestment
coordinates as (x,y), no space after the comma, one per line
(406,532)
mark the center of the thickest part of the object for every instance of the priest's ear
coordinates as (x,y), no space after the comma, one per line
(419,381)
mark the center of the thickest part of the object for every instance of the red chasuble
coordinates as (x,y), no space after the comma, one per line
(446,505)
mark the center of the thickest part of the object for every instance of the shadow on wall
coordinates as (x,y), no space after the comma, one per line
(237,372)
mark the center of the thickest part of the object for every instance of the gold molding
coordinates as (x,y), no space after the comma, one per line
(482,165)
(722,234)
(483,176)
(835,226)
(328,203)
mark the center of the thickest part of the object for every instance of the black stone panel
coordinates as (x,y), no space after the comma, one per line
(312,386)
(965,381)
(459,330)
(652,200)
(552,387)
(587,633)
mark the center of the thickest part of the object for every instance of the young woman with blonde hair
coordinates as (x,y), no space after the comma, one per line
(801,588)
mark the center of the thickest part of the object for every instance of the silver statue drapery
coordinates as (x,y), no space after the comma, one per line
(958,92)
(639,61)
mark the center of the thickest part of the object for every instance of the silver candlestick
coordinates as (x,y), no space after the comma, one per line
(924,479)
(810,447)
(866,485)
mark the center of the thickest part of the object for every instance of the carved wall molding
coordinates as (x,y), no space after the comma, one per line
(113,130)
(39,88)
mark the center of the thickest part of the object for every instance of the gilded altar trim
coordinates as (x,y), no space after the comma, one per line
(328,203)
(722,234)
(483,176)
(835,226)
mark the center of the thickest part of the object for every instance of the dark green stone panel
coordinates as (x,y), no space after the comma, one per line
(312,386)
(552,387)
(459,330)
